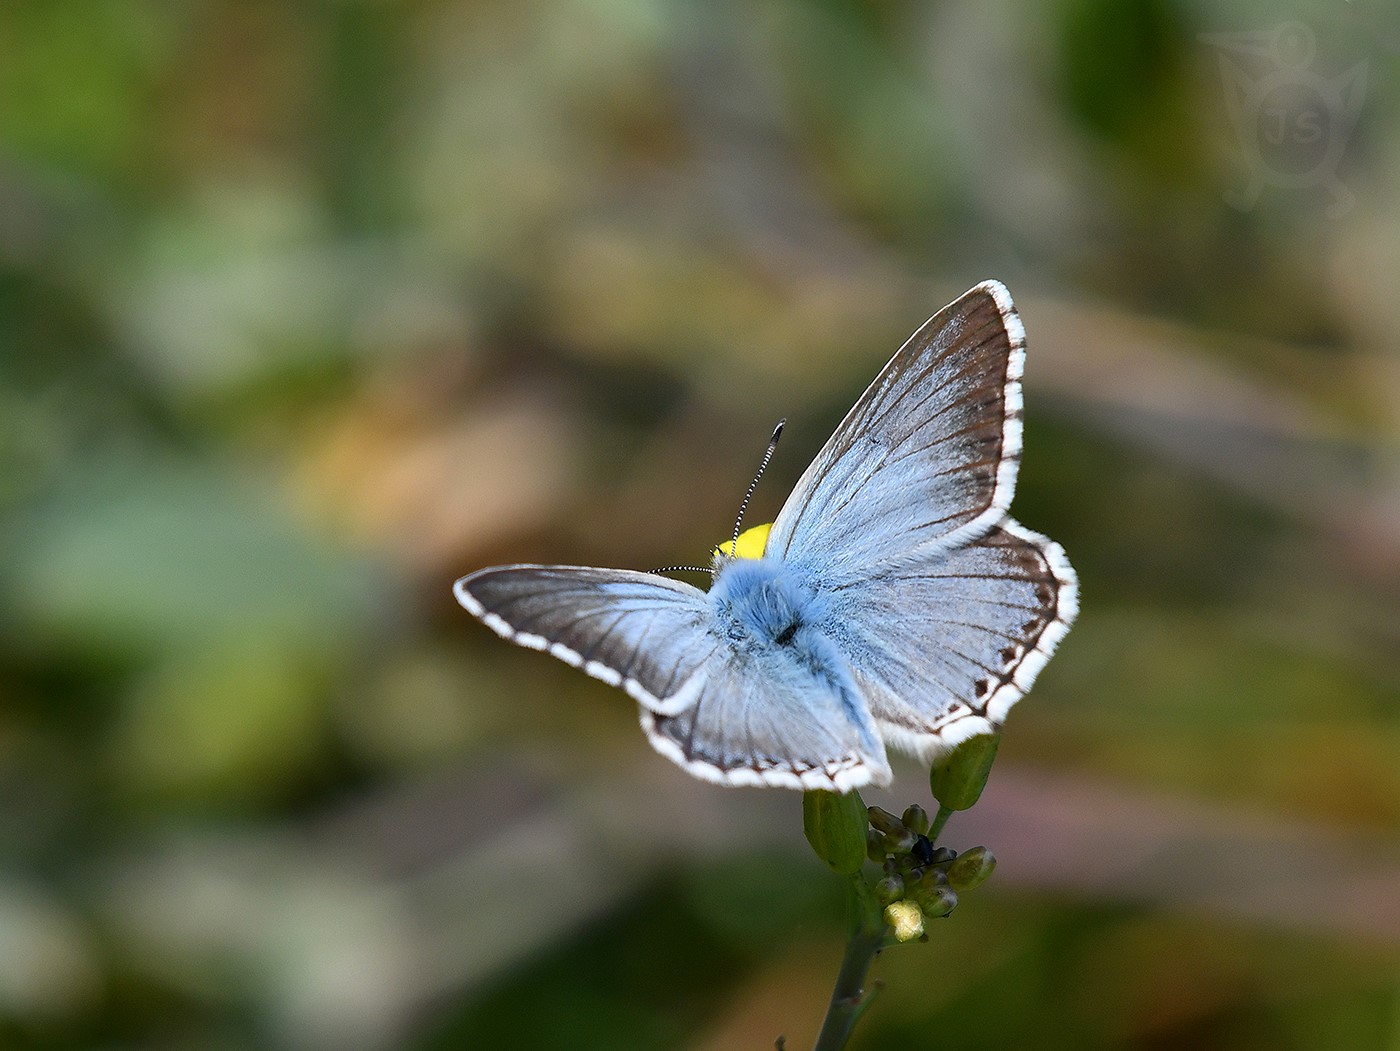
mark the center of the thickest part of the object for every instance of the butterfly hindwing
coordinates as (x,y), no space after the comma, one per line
(944,645)
(762,718)
(927,456)
(743,714)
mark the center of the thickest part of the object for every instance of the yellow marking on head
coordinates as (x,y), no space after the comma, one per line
(751,543)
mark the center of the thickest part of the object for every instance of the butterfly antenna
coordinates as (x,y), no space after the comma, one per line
(768,455)
(683,569)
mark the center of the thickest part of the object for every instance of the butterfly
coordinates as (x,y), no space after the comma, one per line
(892,604)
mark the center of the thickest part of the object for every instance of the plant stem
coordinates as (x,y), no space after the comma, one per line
(939,820)
(849,997)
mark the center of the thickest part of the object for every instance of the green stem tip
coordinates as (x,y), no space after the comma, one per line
(835,826)
(958,780)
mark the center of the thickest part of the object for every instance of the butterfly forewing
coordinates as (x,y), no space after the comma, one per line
(928,454)
(645,633)
(944,645)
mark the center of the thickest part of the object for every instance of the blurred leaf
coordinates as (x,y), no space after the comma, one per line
(1119,57)
(761,898)
(148,555)
(76,92)
(232,721)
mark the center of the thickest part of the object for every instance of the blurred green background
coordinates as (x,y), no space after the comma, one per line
(308,309)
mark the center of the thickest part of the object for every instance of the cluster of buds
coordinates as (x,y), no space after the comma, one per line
(921,881)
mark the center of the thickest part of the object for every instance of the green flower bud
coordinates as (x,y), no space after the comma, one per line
(934,899)
(889,890)
(972,868)
(875,845)
(959,779)
(900,841)
(906,920)
(942,855)
(884,820)
(916,819)
(835,826)
(921,889)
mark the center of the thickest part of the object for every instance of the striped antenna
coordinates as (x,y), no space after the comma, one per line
(739,522)
(683,569)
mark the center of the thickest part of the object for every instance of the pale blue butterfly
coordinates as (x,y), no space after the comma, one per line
(895,603)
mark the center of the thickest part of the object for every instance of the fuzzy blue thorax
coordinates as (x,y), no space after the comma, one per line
(761,601)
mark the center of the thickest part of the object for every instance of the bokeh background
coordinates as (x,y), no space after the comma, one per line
(307,309)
